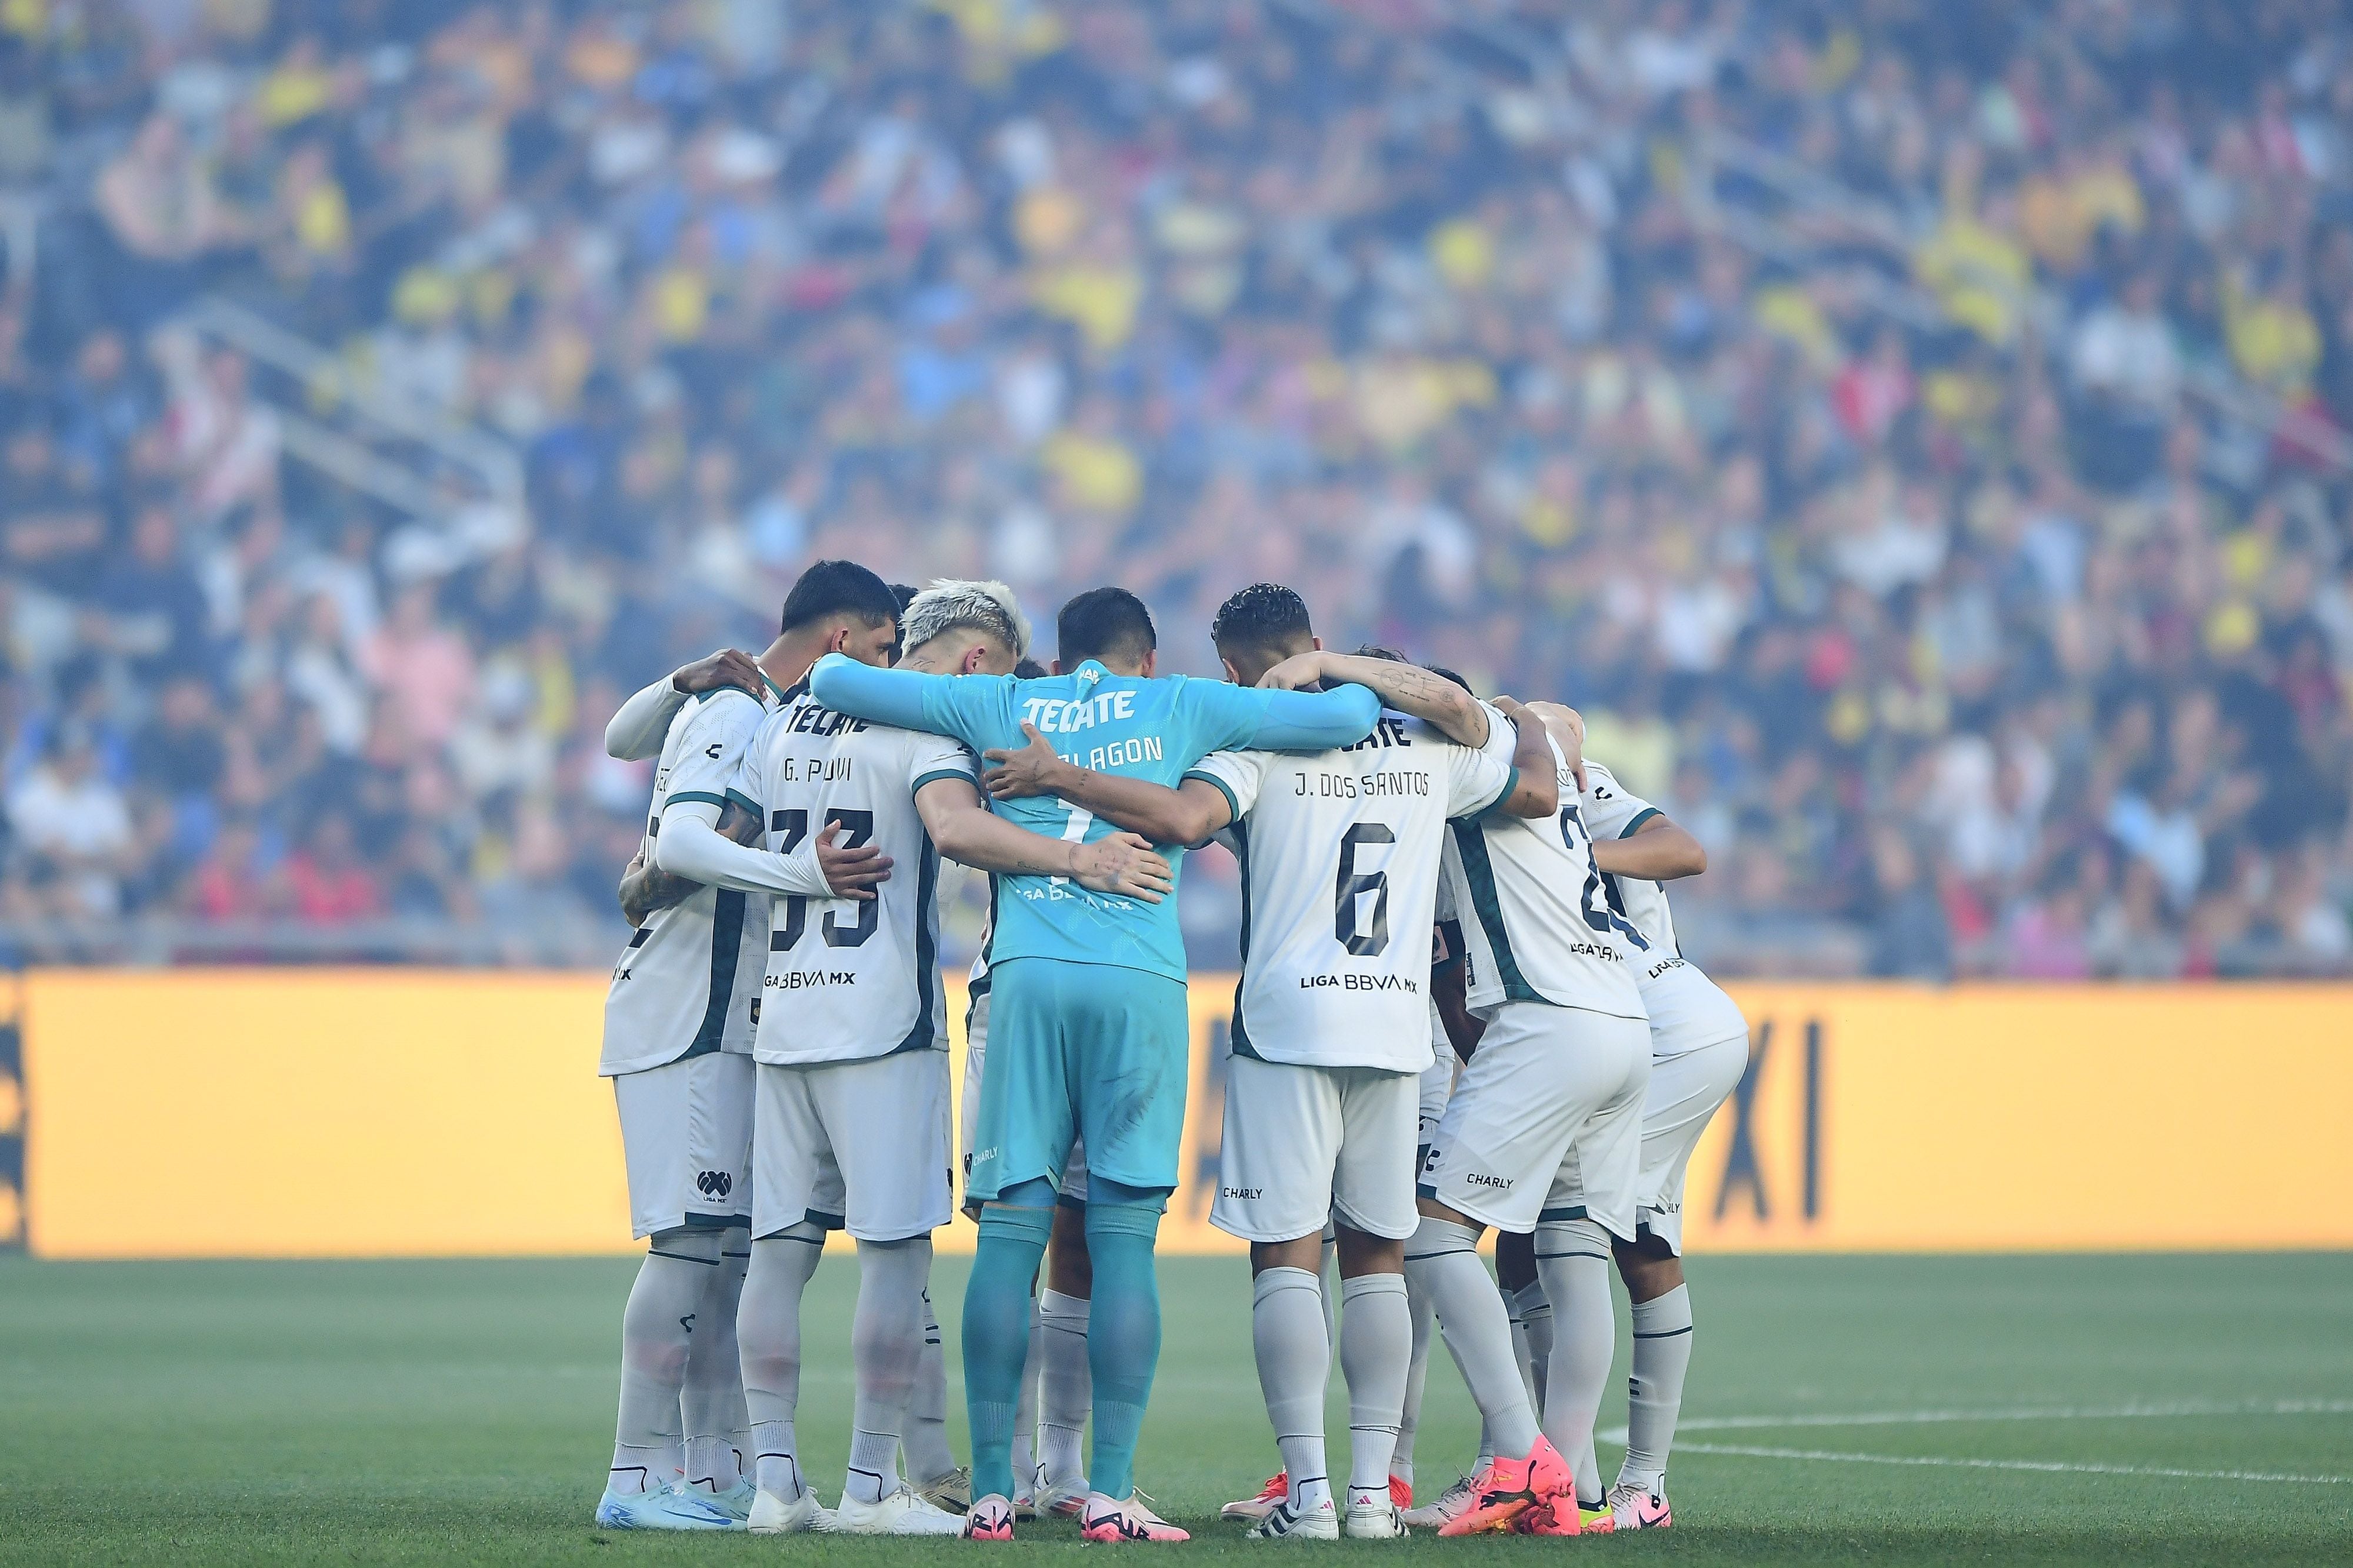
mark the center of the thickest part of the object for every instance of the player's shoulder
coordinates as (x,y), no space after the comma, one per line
(1600,782)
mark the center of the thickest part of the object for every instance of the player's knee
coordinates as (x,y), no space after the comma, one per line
(1022,1214)
(1116,1209)
(1572,1238)
(1363,1253)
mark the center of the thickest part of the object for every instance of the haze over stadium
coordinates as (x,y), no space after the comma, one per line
(1907,447)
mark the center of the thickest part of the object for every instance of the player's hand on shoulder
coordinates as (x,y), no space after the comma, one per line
(851,873)
(1033,770)
(1123,863)
(1299,672)
(728,667)
(1565,724)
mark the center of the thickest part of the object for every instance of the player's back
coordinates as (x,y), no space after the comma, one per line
(1536,924)
(847,980)
(687,980)
(1340,854)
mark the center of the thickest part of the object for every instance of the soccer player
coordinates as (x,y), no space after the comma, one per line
(1698,1048)
(1542,1133)
(678,1030)
(852,1093)
(1338,849)
(1088,1030)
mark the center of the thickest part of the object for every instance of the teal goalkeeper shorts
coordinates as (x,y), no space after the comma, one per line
(1084,1049)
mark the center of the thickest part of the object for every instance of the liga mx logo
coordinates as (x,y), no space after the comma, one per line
(715,1183)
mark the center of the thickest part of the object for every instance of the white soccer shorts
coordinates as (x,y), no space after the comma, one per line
(1437,1083)
(1698,1048)
(858,1146)
(1303,1144)
(686,1140)
(975,1057)
(1546,1122)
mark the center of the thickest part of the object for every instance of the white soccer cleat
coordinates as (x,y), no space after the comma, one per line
(1382,1521)
(1444,1509)
(901,1513)
(735,1503)
(1063,1498)
(661,1508)
(1633,1506)
(1283,1522)
(771,1515)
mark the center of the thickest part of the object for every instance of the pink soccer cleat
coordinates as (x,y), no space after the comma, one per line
(1250,1509)
(990,1518)
(1503,1488)
(1103,1519)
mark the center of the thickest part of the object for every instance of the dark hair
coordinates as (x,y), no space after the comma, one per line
(1103,623)
(834,587)
(904,593)
(1029,669)
(1264,617)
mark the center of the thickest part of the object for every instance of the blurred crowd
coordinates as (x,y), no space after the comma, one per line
(1977,638)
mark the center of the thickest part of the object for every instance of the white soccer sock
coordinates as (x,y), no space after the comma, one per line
(1417,1376)
(886,1345)
(1327,1285)
(1444,1257)
(713,1398)
(768,1339)
(1065,1387)
(1295,1362)
(1025,1412)
(1573,1262)
(648,1442)
(735,1252)
(929,1457)
(1376,1354)
(1535,1327)
(1663,1348)
(1520,1346)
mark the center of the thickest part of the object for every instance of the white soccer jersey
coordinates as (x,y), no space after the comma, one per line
(1339,852)
(1537,926)
(849,979)
(689,980)
(1611,811)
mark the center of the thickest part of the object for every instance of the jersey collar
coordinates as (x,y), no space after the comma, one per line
(782,695)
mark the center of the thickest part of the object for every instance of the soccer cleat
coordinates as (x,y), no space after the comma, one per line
(989,1519)
(952,1491)
(1554,1516)
(1400,1491)
(1257,1507)
(771,1515)
(1503,1488)
(1103,1519)
(1441,1508)
(902,1512)
(1284,1522)
(1065,1498)
(735,1503)
(663,1508)
(1596,1519)
(1376,1521)
(1633,1506)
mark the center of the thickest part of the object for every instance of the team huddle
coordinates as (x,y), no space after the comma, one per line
(1461,1007)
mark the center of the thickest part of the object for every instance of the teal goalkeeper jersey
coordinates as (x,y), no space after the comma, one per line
(1150,730)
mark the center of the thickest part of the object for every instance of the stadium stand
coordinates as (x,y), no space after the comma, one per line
(1915,434)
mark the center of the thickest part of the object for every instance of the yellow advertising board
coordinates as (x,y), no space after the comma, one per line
(383,1112)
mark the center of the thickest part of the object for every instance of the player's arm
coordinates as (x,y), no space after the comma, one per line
(1409,689)
(1188,814)
(641,725)
(689,845)
(964,830)
(1535,781)
(1263,720)
(1450,989)
(1656,848)
(646,887)
(934,704)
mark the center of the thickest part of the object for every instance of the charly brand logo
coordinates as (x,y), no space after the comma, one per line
(715,1183)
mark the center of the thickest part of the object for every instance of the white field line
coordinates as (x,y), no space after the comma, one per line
(2052,1465)
(2145,1410)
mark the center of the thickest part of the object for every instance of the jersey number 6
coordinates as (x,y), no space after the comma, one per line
(1349,888)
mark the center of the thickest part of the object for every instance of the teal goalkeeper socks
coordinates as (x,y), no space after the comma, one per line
(996,1332)
(1123,1334)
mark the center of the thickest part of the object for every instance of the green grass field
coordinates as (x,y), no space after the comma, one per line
(2148,1410)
